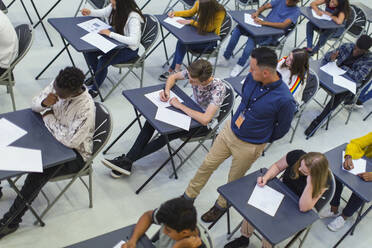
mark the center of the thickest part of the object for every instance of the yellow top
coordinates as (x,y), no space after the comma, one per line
(218,19)
(360,147)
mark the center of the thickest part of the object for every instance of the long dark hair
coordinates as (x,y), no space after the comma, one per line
(118,18)
(300,64)
(343,6)
(206,13)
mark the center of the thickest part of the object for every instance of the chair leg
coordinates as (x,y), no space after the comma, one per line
(304,238)
(90,188)
(295,128)
(142,70)
(12,97)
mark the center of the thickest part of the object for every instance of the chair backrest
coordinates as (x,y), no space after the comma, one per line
(311,87)
(350,20)
(359,24)
(188,3)
(25,38)
(245,3)
(98,4)
(103,128)
(227,104)
(328,194)
(226,27)
(150,32)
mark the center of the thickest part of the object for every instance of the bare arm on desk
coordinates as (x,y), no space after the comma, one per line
(261,9)
(142,226)
(202,118)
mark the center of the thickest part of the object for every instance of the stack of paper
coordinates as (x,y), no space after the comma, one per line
(332,69)
(322,17)
(173,21)
(98,41)
(249,20)
(118,245)
(94,25)
(359,165)
(266,199)
(173,118)
(154,97)
(17,158)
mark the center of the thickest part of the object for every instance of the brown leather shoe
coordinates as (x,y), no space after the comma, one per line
(213,214)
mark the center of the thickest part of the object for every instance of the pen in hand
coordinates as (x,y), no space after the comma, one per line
(261,175)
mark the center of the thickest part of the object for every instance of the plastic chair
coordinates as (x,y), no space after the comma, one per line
(97,4)
(103,129)
(25,38)
(244,4)
(150,32)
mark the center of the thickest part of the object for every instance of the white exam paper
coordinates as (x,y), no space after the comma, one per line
(154,97)
(359,165)
(322,17)
(332,69)
(118,245)
(94,25)
(173,118)
(345,83)
(249,20)
(173,21)
(98,41)
(266,199)
(20,159)
(9,132)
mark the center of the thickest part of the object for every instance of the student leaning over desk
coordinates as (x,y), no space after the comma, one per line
(356,149)
(306,174)
(209,18)
(125,17)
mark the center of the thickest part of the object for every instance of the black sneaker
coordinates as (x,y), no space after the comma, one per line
(163,77)
(5,230)
(238,243)
(311,128)
(115,174)
(89,81)
(121,164)
(93,93)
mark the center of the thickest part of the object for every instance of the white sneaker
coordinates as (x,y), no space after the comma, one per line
(327,213)
(223,62)
(236,70)
(336,224)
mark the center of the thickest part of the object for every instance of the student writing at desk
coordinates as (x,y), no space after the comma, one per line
(356,60)
(306,174)
(264,115)
(125,17)
(283,14)
(338,10)
(179,228)
(208,92)
(209,18)
(68,112)
(356,149)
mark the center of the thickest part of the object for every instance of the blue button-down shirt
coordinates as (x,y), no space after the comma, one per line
(267,118)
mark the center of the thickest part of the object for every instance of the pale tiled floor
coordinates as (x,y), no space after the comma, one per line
(115,203)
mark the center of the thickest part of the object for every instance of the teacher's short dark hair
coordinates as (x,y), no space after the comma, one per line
(265,57)
(70,78)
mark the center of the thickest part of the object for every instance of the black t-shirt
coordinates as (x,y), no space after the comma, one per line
(296,185)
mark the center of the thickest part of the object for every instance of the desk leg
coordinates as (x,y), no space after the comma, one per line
(47,13)
(152,50)
(10,4)
(353,226)
(120,135)
(163,40)
(358,217)
(228,221)
(148,1)
(24,7)
(138,118)
(41,22)
(171,157)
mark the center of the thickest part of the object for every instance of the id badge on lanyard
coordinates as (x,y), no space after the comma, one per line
(239,121)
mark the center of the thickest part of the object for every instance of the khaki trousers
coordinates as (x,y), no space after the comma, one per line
(247,231)
(226,144)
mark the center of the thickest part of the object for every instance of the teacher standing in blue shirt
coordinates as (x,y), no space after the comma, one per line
(264,115)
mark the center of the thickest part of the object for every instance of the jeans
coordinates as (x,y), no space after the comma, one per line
(181,50)
(365,95)
(142,147)
(34,182)
(250,45)
(352,205)
(323,36)
(100,65)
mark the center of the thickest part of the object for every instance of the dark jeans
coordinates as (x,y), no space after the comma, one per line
(181,50)
(142,147)
(324,35)
(34,182)
(352,205)
(101,64)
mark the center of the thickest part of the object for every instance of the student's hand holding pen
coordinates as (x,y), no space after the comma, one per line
(164,95)
(85,12)
(105,32)
(261,180)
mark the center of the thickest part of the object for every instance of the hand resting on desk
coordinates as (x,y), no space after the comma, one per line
(366,176)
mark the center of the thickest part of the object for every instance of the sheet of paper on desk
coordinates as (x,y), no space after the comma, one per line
(118,245)
(98,41)
(332,69)
(173,118)
(9,132)
(154,97)
(345,83)
(173,21)
(249,20)
(94,25)
(322,17)
(266,199)
(20,159)
(359,165)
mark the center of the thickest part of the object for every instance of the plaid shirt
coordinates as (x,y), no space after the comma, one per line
(360,69)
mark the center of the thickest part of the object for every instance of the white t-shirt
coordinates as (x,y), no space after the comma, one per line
(8,42)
